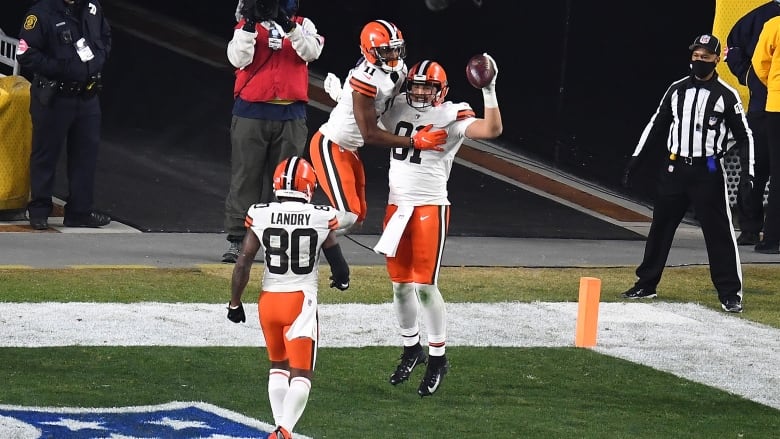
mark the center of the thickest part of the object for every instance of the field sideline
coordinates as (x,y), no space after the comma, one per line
(687,340)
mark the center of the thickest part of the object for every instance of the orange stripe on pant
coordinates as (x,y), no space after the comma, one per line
(340,174)
(277,312)
(418,257)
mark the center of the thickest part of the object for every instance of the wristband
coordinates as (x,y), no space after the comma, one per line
(411,142)
(489,95)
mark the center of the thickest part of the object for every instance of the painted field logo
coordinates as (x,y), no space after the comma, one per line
(175,420)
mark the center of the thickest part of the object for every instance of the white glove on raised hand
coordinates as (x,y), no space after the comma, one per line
(489,91)
(332,85)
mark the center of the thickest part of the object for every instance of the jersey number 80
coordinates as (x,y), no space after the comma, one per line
(287,249)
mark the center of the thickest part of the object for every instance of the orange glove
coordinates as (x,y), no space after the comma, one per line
(427,139)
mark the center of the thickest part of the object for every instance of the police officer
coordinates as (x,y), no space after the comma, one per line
(696,118)
(65,44)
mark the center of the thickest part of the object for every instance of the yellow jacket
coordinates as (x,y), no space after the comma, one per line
(766,62)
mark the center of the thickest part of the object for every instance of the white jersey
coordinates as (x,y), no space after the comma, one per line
(417,177)
(369,80)
(291,234)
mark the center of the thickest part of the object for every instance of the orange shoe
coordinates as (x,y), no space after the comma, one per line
(280,433)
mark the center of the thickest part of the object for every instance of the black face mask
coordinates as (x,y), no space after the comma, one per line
(701,68)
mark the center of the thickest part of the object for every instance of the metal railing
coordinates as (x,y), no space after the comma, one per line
(8,53)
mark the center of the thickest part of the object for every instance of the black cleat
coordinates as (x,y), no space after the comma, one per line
(231,255)
(39,223)
(409,360)
(434,375)
(748,238)
(732,305)
(639,293)
(94,219)
(768,247)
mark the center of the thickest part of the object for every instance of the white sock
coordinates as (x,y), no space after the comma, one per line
(278,384)
(295,402)
(434,317)
(406,310)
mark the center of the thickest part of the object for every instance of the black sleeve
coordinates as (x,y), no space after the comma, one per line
(739,51)
(38,33)
(657,129)
(736,122)
(338,265)
(100,34)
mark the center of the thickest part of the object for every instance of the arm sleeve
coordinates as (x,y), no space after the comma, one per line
(102,49)
(37,58)
(740,130)
(305,40)
(241,48)
(658,126)
(338,265)
(762,58)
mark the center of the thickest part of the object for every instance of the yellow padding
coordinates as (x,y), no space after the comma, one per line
(15,142)
(728,12)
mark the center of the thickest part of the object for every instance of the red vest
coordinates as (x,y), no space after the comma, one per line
(273,74)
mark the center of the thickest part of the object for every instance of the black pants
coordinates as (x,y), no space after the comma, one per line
(693,185)
(751,213)
(74,122)
(772,223)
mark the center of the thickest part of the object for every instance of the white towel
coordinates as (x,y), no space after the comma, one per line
(305,325)
(388,242)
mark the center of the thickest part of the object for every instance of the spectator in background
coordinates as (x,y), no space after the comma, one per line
(368,89)
(766,63)
(691,121)
(741,43)
(287,305)
(65,44)
(271,48)
(418,211)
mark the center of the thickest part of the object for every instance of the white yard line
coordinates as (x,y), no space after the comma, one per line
(687,340)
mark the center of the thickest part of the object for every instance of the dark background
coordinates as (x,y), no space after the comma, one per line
(578,81)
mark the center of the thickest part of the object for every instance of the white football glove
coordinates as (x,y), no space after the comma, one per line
(332,85)
(489,91)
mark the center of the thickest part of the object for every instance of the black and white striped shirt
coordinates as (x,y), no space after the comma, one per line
(699,119)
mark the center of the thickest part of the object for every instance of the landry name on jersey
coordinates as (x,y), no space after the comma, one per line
(291,234)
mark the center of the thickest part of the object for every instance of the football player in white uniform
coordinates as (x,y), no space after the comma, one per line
(418,211)
(291,233)
(368,90)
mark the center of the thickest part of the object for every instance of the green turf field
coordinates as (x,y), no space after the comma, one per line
(491,392)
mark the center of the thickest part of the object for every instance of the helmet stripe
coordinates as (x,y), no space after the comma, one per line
(391,29)
(424,66)
(292,167)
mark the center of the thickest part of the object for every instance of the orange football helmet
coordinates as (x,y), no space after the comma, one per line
(426,85)
(383,45)
(295,178)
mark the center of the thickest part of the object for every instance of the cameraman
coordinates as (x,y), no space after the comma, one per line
(271,49)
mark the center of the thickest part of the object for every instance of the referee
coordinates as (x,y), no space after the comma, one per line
(699,117)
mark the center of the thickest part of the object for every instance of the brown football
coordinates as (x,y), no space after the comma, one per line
(479,71)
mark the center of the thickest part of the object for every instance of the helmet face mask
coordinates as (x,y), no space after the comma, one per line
(295,178)
(383,45)
(426,85)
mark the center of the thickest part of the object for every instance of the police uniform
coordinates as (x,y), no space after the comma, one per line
(65,45)
(698,120)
